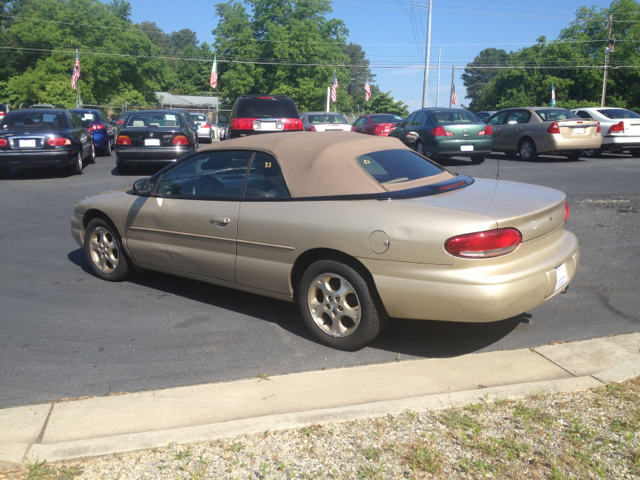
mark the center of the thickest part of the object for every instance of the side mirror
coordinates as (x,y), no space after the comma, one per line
(142,187)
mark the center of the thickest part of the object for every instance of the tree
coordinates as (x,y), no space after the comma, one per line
(359,71)
(384,103)
(121,9)
(476,79)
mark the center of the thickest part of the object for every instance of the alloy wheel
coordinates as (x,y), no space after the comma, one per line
(334,305)
(104,250)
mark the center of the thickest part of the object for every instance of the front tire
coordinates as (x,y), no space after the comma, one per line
(420,148)
(527,150)
(103,248)
(337,306)
(478,159)
(92,155)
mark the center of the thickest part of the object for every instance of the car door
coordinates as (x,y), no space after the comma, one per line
(415,130)
(401,132)
(80,133)
(496,123)
(190,223)
(514,128)
(358,125)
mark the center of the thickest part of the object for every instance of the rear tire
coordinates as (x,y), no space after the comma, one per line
(92,155)
(574,157)
(103,248)
(337,306)
(527,150)
(76,168)
(478,159)
(635,153)
(597,153)
(107,150)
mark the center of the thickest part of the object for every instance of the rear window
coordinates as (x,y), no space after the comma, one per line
(617,113)
(268,107)
(386,119)
(86,115)
(33,121)
(200,118)
(141,120)
(552,115)
(3,107)
(455,117)
(397,166)
(327,118)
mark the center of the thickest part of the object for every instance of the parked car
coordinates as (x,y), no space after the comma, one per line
(155,137)
(4,109)
(222,131)
(620,129)
(44,138)
(533,130)
(104,135)
(251,214)
(441,133)
(325,122)
(191,126)
(485,114)
(122,120)
(252,114)
(42,105)
(205,131)
(379,124)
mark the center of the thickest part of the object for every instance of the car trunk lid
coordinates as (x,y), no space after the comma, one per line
(152,137)
(578,128)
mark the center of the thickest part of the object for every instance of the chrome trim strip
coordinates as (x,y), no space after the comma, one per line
(211,237)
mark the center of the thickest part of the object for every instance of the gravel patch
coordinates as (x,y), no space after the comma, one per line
(587,435)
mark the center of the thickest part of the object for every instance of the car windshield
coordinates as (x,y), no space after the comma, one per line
(327,118)
(33,121)
(617,113)
(140,120)
(455,117)
(268,107)
(386,119)
(396,166)
(556,114)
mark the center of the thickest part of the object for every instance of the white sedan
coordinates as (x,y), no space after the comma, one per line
(620,129)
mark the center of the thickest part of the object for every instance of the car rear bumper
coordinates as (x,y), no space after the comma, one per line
(101,140)
(204,132)
(150,154)
(467,293)
(34,159)
(619,142)
(554,143)
(460,147)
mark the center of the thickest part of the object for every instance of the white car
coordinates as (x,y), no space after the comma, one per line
(620,129)
(325,122)
(205,132)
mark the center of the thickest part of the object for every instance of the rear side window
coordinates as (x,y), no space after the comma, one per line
(267,107)
(498,118)
(519,116)
(386,119)
(618,113)
(265,178)
(583,114)
(33,121)
(556,114)
(396,166)
(142,120)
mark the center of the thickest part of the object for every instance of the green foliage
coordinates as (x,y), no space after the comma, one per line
(384,103)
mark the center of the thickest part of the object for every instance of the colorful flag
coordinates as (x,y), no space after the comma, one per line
(75,76)
(214,73)
(553,95)
(334,88)
(367,90)
(454,95)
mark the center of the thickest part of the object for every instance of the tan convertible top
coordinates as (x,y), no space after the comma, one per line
(325,164)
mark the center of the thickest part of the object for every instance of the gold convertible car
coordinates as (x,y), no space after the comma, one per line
(357,229)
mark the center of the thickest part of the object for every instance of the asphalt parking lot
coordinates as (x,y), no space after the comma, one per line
(65,333)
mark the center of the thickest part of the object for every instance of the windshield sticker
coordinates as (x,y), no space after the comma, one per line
(170,117)
(48,118)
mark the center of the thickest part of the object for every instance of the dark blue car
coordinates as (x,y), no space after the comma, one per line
(104,136)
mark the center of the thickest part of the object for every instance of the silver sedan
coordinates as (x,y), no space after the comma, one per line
(620,129)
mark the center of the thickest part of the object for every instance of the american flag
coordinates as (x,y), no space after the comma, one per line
(75,76)
(367,91)
(334,88)
(454,95)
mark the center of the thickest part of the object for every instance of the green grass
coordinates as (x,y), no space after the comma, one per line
(421,458)
(458,421)
(42,471)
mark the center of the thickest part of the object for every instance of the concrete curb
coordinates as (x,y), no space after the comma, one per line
(619,373)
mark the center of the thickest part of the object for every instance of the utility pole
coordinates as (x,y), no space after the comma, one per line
(607,50)
(425,89)
(438,87)
(453,75)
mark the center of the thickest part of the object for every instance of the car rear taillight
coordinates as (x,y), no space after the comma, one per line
(58,141)
(441,132)
(598,131)
(180,140)
(242,123)
(268,98)
(618,127)
(353,129)
(206,125)
(491,243)
(486,131)
(96,126)
(123,140)
(378,130)
(566,211)
(313,129)
(293,124)
(554,128)
(3,142)
(119,122)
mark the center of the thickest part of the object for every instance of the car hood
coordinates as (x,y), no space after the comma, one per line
(532,209)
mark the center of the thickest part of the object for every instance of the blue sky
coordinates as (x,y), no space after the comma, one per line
(392,33)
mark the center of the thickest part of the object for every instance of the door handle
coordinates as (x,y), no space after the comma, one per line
(220,221)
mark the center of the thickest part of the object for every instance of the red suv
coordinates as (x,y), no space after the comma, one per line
(253,114)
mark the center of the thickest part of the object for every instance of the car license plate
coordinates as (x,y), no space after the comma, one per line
(152,142)
(561,276)
(578,131)
(268,126)
(466,148)
(27,143)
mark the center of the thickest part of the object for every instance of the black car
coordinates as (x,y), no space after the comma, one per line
(253,114)
(190,122)
(104,135)
(44,138)
(156,137)
(121,121)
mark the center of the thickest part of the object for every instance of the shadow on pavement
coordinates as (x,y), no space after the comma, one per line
(420,338)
